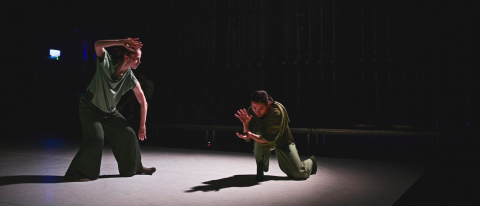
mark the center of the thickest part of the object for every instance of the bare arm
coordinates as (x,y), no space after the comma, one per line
(248,135)
(143,111)
(255,137)
(245,128)
(127,43)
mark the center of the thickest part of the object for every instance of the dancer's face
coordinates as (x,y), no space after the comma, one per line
(259,108)
(134,59)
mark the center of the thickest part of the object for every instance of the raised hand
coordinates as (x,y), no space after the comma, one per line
(243,116)
(132,44)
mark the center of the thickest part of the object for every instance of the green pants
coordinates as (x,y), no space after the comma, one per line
(288,160)
(96,125)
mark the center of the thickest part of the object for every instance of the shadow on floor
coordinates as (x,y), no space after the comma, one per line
(116,176)
(234,181)
(109,176)
(20,179)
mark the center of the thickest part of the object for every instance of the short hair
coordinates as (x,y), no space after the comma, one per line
(260,96)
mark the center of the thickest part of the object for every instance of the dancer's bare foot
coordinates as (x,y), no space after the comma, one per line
(146,170)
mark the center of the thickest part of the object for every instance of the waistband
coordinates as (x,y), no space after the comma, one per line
(88,95)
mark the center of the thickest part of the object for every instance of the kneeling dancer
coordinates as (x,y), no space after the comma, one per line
(266,122)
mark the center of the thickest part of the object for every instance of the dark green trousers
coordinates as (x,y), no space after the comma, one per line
(96,125)
(288,160)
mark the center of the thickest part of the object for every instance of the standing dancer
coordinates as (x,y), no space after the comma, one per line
(100,118)
(266,122)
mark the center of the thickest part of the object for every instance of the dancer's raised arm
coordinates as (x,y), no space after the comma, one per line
(129,43)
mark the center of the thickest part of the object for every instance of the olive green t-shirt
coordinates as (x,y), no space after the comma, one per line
(273,128)
(106,88)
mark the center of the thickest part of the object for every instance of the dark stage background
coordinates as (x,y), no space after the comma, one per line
(366,64)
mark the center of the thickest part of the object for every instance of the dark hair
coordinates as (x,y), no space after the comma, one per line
(120,51)
(261,96)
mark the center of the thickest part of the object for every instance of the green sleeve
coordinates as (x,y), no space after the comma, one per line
(133,80)
(268,129)
(105,61)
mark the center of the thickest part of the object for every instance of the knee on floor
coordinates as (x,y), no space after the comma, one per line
(298,176)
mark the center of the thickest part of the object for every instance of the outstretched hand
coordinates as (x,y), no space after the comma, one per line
(243,116)
(132,44)
(242,136)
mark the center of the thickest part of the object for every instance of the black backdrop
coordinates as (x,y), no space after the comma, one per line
(332,63)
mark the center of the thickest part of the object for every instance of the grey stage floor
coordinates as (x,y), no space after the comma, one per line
(31,173)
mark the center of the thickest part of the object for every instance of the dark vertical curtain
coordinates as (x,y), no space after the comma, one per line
(332,63)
